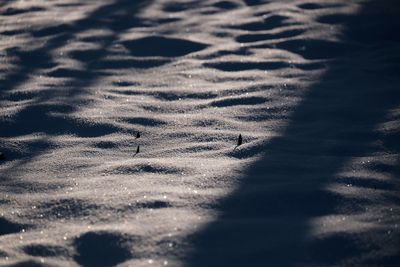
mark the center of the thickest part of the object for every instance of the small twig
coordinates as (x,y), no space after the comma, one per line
(137,151)
(239,142)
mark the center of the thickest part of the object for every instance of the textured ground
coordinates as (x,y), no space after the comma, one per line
(312,86)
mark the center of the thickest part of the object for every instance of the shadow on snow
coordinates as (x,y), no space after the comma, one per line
(266,220)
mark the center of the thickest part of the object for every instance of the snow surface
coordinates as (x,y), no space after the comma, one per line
(311,85)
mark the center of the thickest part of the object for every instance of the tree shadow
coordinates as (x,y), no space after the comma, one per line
(49,114)
(102,249)
(266,221)
(116,16)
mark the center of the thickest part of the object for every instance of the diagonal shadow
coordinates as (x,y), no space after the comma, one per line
(50,117)
(266,220)
(117,16)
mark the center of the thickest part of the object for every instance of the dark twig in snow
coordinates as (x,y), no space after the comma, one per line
(240,141)
(137,151)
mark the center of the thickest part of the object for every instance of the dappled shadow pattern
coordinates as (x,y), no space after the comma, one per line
(316,49)
(101,249)
(176,6)
(55,118)
(249,38)
(9,227)
(66,208)
(52,122)
(30,263)
(162,46)
(45,250)
(255,2)
(269,23)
